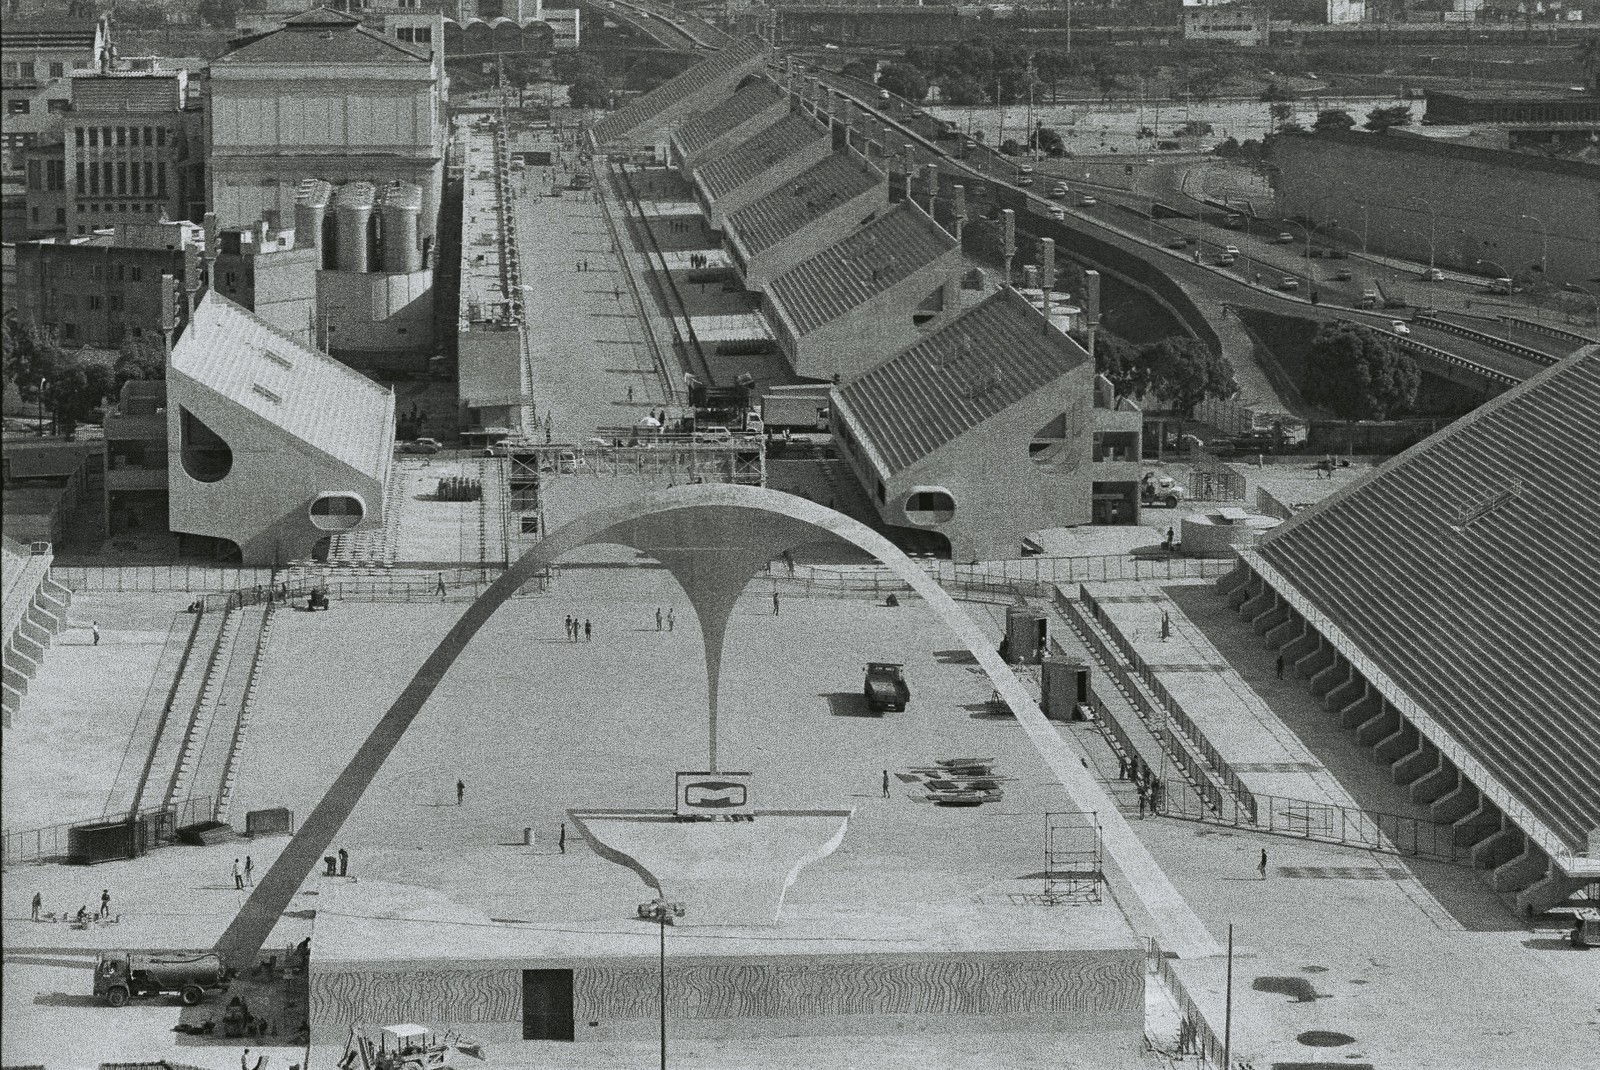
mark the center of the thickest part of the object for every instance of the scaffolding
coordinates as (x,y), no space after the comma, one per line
(1072,871)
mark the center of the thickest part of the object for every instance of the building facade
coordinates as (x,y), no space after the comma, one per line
(37,61)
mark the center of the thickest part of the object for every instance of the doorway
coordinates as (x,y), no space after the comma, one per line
(546,1004)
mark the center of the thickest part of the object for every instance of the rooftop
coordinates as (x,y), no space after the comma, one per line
(1467,570)
(301,390)
(841,177)
(48,33)
(713,123)
(320,36)
(985,360)
(888,249)
(751,157)
(624,121)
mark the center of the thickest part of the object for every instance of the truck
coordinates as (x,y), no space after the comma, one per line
(797,412)
(121,975)
(885,686)
(1157,487)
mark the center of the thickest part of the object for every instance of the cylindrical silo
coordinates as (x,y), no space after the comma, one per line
(310,208)
(352,208)
(400,210)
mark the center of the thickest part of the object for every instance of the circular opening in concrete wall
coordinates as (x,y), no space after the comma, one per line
(206,457)
(337,512)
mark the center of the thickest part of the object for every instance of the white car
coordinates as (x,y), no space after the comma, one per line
(714,434)
(1399,327)
(1433,275)
(1057,212)
(423,446)
(1087,202)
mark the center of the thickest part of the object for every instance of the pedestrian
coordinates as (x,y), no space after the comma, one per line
(1280,666)
(1141,802)
(438,587)
(105,903)
(658,618)
(671,619)
(1261,866)
(94,629)
(344,862)
(1122,767)
(38,904)
(561,840)
(1170,536)
(886,783)
(617,293)
(775,610)
(586,634)
(249,872)
(1166,626)
(630,395)
(567,628)
(330,866)
(238,875)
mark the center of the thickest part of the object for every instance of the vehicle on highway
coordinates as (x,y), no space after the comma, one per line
(883,94)
(1342,275)
(1314,253)
(1057,212)
(1338,254)
(1087,202)
(1024,180)
(1288,284)
(1026,168)
(1231,250)
(1225,260)
(1502,286)
(1234,222)
(1399,327)
(1060,190)
(422,446)
(1369,298)
(1433,275)
(1284,238)
(1178,243)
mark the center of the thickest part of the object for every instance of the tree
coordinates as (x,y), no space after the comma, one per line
(1382,119)
(1052,65)
(80,383)
(1227,148)
(589,91)
(1276,91)
(1283,119)
(1011,147)
(961,91)
(30,353)
(1194,128)
(1118,360)
(1106,75)
(1358,374)
(1185,371)
(1204,81)
(864,70)
(220,14)
(1335,119)
(1047,140)
(138,358)
(904,80)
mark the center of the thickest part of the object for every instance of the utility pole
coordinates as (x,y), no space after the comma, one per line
(1227,1013)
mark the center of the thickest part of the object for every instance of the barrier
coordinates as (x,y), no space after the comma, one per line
(52,843)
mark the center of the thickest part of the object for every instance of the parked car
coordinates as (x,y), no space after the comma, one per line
(1158,487)
(1369,298)
(885,687)
(1433,275)
(1399,327)
(713,433)
(1178,243)
(120,975)
(1087,202)
(1289,284)
(1342,275)
(423,446)
(1284,238)
(1338,254)
(1225,260)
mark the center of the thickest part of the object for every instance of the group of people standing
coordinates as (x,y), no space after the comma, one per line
(669,619)
(699,260)
(574,625)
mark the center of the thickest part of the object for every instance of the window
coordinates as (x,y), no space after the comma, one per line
(149,136)
(115,303)
(18,107)
(105,137)
(94,137)
(61,217)
(97,273)
(122,178)
(94,179)
(34,214)
(78,133)
(58,70)
(35,181)
(135,273)
(116,272)
(404,33)
(161,180)
(82,229)
(122,137)
(58,107)
(55,175)
(231,279)
(108,170)
(69,331)
(161,136)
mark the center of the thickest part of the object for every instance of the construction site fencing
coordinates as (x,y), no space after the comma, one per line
(1169,705)
(1199,1039)
(117,578)
(50,843)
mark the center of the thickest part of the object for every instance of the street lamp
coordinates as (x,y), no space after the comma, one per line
(1590,294)
(1433,223)
(662,912)
(1333,224)
(1544,259)
(42,384)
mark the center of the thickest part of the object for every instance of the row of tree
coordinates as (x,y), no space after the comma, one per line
(71,383)
(1180,370)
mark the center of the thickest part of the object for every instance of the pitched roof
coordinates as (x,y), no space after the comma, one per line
(895,245)
(713,123)
(768,221)
(1467,569)
(756,154)
(307,393)
(985,360)
(25,34)
(321,36)
(641,110)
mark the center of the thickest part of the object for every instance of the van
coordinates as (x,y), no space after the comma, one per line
(1500,286)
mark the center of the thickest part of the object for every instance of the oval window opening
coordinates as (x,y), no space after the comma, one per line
(337,512)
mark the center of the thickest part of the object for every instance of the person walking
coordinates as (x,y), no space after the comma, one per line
(586,633)
(438,587)
(38,905)
(461,792)
(630,395)
(886,783)
(1261,866)
(561,840)
(105,903)
(1166,626)
(567,627)
(344,862)
(238,876)
(94,629)
(249,872)
(1141,802)
(776,612)
(1280,666)
(658,618)
(672,619)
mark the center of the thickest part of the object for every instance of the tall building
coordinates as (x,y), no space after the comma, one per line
(324,97)
(37,60)
(132,147)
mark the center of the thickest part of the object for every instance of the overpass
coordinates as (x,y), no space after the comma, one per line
(670,28)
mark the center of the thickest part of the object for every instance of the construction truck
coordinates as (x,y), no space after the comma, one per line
(1157,487)
(885,687)
(121,975)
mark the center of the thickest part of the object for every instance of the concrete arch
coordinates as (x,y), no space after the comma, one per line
(714,538)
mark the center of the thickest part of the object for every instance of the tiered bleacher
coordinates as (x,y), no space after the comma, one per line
(35,609)
(741,57)
(1468,570)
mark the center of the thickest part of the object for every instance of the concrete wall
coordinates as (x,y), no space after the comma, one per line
(280,287)
(821,232)
(727,997)
(1472,201)
(372,314)
(263,503)
(875,330)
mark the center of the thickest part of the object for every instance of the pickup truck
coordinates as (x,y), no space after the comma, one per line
(885,687)
(191,974)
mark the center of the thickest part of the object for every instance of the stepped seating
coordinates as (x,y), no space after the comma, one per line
(178,710)
(1481,612)
(35,611)
(1438,782)
(230,768)
(1456,804)
(208,711)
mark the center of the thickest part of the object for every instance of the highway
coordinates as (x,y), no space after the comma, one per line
(668,26)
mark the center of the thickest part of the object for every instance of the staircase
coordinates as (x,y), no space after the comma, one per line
(170,732)
(147,726)
(211,706)
(222,774)
(35,610)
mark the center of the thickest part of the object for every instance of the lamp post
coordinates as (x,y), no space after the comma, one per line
(42,384)
(1433,224)
(1590,294)
(1544,258)
(662,912)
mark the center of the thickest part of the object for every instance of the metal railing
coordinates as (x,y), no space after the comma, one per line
(49,843)
(137,578)
(1204,1040)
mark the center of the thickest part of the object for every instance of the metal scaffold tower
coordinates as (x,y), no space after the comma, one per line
(1072,872)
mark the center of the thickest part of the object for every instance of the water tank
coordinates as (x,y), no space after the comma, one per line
(352,209)
(310,209)
(400,212)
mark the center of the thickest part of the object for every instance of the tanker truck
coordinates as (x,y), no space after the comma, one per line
(191,974)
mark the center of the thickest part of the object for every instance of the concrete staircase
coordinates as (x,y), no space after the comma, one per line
(244,677)
(211,726)
(171,730)
(35,610)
